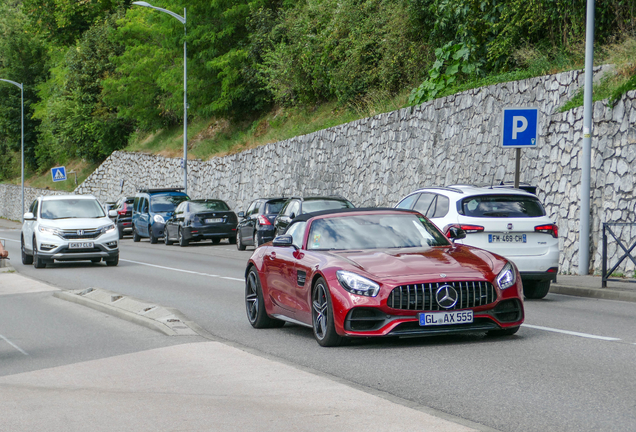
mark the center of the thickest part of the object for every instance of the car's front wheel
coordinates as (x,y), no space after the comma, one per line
(182,240)
(113,261)
(536,289)
(166,238)
(37,261)
(322,316)
(254,305)
(26,258)
(153,239)
(239,242)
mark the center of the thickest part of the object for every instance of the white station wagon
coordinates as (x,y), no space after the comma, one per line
(68,228)
(508,222)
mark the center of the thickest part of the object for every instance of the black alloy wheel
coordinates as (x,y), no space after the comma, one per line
(536,289)
(26,258)
(37,261)
(136,236)
(254,305)
(182,240)
(153,239)
(239,242)
(322,316)
(113,261)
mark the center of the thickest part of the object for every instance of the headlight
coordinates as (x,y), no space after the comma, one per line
(159,219)
(506,277)
(107,228)
(49,230)
(357,284)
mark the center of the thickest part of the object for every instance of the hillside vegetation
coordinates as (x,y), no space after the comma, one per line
(103,75)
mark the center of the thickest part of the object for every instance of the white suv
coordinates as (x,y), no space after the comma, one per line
(509,222)
(68,228)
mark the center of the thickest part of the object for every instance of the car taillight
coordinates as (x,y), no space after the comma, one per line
(122,211)
(263,220)
(468,228)
(548,229)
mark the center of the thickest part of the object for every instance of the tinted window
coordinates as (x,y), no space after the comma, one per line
(292,208)
(165,203)
(407,203)
(325,204)
(196,207)
(72,208)
(374,232)
(501,206)
(273,207)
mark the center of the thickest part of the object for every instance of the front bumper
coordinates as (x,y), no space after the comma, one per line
(105,246)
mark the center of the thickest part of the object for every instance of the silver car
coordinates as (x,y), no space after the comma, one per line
(68,228)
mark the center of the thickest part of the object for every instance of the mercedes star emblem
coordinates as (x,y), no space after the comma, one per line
(446,296)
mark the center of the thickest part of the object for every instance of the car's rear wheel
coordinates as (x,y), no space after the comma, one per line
(136,236)
(153,239)
(254,305)
(216,241)
(121,233)
(232,240)
(536,289)
(239,242)
(322,316)
(113,262)
(182,240)
(37,261)
(503,332)
(256,244)
(26,258)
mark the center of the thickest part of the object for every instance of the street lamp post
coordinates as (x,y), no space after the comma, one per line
(182,20)
(21,135)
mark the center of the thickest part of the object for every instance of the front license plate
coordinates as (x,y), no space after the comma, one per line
(215,220)
(81,245)
(506,238)
(446,318)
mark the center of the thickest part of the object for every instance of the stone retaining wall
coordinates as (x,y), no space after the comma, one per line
(454,140)
(11,199)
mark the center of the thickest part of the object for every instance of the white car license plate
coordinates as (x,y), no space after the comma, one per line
(446,318)
(506,238)
(214,220)
(81,245)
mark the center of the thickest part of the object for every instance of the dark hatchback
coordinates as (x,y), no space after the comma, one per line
(256,225)
(123,220)
(296,206)
(198,220)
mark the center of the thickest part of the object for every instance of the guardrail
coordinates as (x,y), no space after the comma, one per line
(628,252)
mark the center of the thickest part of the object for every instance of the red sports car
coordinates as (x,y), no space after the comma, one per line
(379,272)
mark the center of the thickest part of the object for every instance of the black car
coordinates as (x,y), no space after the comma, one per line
(123,219)
(257,223)
(203,219)
(297,205)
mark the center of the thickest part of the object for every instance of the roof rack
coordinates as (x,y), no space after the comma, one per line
(446,188)
(148,190)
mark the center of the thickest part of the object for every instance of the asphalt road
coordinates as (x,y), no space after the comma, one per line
(572,367)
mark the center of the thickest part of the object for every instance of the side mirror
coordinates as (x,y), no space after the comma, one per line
(29,216)
(241,215)
(292,216)
(283,241)
(112,213)
(455,233)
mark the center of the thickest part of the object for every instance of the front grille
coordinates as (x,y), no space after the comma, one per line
(73,235)
(421,297)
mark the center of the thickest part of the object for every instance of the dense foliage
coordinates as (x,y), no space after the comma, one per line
(96,70)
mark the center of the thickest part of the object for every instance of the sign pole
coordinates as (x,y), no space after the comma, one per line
(517,167)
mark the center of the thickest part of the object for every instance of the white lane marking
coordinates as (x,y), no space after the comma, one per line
(15,241)
(13,345)
(571,333)
(183,271)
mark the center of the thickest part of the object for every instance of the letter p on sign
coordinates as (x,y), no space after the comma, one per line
(520,127)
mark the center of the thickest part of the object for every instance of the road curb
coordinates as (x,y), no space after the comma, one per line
(599,293)
(169,322)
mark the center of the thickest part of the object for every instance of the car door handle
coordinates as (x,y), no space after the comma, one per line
(271,256)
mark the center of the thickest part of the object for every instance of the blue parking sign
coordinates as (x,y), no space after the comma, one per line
(520,127)
(58,173)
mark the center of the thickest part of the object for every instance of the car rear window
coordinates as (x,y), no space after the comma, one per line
(208,205)
(311,206)
(501,206)
(274,207)
(166,203)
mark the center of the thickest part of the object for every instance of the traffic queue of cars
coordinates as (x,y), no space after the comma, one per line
(445,260)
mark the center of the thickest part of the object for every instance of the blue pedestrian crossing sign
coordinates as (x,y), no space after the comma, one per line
(520,127)
(58,173)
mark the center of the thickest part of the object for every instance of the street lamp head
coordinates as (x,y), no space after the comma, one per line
(12,82)
(142,3)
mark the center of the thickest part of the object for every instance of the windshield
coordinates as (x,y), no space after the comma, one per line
(502,206)
(71,208)
(310,206)
(208,205)
(374,232)
(274,207)
(165,203)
